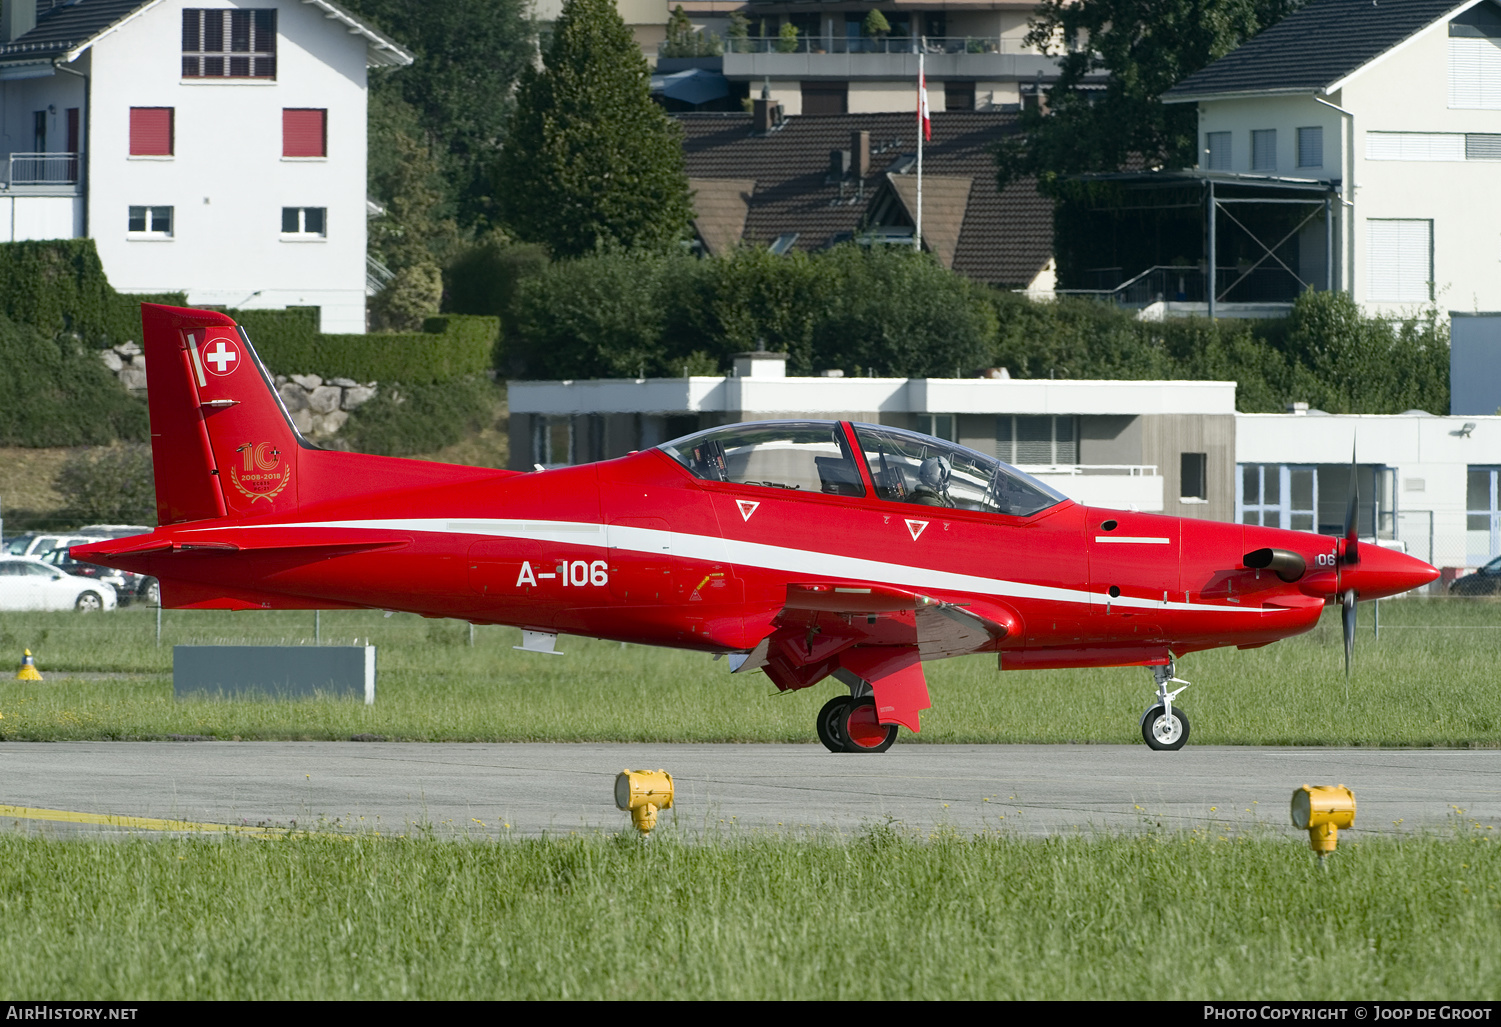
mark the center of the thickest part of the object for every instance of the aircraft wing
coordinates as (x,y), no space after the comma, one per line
(878,632)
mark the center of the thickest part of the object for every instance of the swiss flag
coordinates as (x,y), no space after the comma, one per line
(923,120)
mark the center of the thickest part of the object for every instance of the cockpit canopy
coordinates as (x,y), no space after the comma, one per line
(814,456)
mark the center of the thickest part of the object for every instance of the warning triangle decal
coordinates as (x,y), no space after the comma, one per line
(747,507)
(916,527)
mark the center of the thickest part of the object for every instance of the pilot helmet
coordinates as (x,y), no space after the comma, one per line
(934,473)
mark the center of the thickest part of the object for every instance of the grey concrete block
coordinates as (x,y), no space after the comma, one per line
(307,381)
(133,378)
(357,395)
(111,359)
(294,396)
(273,671)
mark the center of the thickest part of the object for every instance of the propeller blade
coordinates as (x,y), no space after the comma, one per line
(1347,617)
(1352,514)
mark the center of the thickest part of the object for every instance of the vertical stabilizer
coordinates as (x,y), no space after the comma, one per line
(221,440)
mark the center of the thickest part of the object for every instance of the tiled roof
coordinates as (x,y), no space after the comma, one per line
(720,205)
(1006,237)
(1314,47)
(61,26)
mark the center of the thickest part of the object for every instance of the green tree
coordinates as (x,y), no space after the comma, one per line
(787,38)
(590,161)
(469,54)
(876,24)
(1146,46)
(109,484)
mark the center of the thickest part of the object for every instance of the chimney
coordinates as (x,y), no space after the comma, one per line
(760,364)
(839,163)
(766,114)
(17,17)
(860,153)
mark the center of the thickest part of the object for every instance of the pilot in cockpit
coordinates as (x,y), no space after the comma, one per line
(933,483)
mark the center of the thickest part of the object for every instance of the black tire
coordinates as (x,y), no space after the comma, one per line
(1162,736)
(152,593)
(864,707)
(830,723)
(89,602)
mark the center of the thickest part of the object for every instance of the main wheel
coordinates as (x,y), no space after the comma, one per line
(862,731)
(1163,731)
(89,602)
(830,723)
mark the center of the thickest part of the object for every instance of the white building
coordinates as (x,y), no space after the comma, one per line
(1431,483)
(210,147)
(1398,105)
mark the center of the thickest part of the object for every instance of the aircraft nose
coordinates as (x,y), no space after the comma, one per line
(1384,572)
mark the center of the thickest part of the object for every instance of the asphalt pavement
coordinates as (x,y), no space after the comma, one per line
(488,790)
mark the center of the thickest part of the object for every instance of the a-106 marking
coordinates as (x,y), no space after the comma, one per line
(574,573)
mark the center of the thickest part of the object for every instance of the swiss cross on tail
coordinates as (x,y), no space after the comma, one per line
(221,356)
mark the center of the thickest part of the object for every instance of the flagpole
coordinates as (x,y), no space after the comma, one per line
(922,118)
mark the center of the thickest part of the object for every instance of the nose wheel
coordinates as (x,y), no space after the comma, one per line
(1165,726)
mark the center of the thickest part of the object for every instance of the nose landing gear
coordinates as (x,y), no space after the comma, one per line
(1164,726)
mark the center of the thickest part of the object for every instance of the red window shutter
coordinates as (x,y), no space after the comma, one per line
(303,132)
(151,131)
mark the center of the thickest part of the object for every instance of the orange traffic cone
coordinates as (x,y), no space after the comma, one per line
(28,670)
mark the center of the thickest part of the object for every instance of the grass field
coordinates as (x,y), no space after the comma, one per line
(880,916)
(1430,679)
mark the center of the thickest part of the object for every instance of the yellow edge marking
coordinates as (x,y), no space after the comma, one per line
(142,823)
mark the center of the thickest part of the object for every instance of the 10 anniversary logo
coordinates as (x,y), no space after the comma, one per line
(262,476)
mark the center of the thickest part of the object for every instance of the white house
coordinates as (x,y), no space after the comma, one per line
(211,147)
(1398,104)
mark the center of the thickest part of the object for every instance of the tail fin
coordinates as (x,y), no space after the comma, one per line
(221,439)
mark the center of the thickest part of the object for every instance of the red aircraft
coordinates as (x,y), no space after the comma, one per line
(803,549)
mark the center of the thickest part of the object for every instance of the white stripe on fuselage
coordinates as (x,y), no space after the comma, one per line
(807,563)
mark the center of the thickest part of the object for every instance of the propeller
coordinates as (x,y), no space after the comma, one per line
(1350,555)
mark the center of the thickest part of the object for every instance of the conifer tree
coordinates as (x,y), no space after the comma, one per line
(590,162)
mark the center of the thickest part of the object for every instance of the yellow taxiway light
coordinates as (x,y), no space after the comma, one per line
(28,670)
(643,793)
(1322,811)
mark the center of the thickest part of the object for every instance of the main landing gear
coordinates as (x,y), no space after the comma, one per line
(847,723)
(1164,726)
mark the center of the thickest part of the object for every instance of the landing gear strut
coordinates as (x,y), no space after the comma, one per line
(849,724)
(1164,726)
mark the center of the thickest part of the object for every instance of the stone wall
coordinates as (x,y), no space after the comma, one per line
(318,408)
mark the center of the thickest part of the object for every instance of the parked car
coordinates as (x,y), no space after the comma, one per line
(1484,582)
(129,586)
(27,584)
(115,530)
(39,543)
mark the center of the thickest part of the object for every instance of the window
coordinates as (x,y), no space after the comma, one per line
(151,221)
(798,456)
(1482,515)
(151,131)
(552,441)
(1193,479)
(940,426)
(304,132)
(1414,146)
(1483,146)
(910,468)
(958,96)
(1311,147)
(39,131)
(1401,260)
(1217,146)
(1475,59)
(1036,441)
(233,43)
(1264,149)
(304,221)
(825,98)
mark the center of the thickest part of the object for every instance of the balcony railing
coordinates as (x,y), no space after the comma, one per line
(1075,470)
(42,169)
(860,44)
(1186,285)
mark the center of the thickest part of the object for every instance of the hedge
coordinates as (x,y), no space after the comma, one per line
(60,393)
(58,287)
(449,347)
